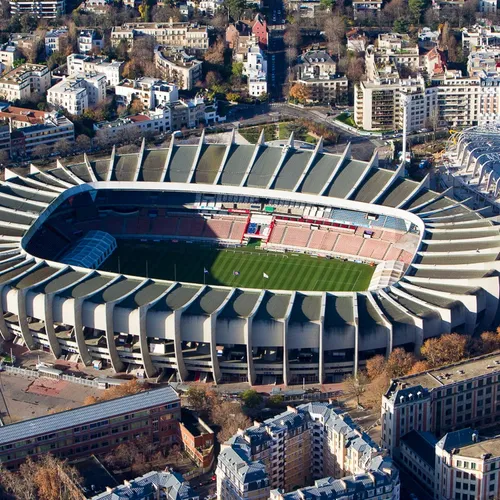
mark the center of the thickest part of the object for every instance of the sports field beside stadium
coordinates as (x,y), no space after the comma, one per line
(237,267)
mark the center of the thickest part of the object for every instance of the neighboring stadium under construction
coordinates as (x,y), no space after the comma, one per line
(434,261)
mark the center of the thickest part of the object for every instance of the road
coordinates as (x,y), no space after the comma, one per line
(250,115)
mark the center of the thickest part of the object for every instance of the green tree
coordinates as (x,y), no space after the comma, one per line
(416,8)
(198,398)
(234,7)
(275,400)
(237,69)
(401,26)
(251,398)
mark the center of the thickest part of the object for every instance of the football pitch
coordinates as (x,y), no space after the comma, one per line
(244,267)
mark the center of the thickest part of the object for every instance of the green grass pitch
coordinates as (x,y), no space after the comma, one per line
(186,262)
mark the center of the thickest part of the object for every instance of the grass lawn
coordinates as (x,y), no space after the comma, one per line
(186,262)
(347,119)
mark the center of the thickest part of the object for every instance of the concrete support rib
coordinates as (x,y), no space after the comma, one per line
(248,339)
(286,319)
(196,158)
(116,362)
(46,175)
(260,143)
(36,184)
(284,153)
(432,200)
(321,367)
(111,166)
(356,332)
(69,173)
(141,318)
(78,304)
(212,325)
(398,173)
(371,164)
(418,322)
(89,167)
(346,155)
(140,156)
(224,158)
(50,195)
(424,183)
(386,323)
(310,163)
(167,159)
(4,331)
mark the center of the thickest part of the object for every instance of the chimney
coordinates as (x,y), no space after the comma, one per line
(475,437)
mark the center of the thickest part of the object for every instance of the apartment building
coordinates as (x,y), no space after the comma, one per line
(8,54)
(26,43)
(480,37)
(206,7)
(318,73)
(302,444)
(47,9)
(96,428)
(82,64)
(372,7)
(442,400)
(5,139)
(238,476)
(190,113)
(380,481)
(305,8)
(178,67)
(31,128)
(76,94)
(165,485)
(255,69)
(152,92)
(56,40)
(24,82)
(198,439)
(89,41)
(187,36)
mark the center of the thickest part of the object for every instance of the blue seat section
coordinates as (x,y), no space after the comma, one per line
(354,218)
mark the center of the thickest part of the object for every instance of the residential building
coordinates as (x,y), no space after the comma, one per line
(206,7)
(417,458)
(305,8)
(77,93)
(317,71)
(238,476)
(486,62)
(357,41)
(178,67)
(8,54)
(297,446)
(180,35)
(441,400)
(47,9)
(26,43)
(259,30)
(236,30)
(96,6)
(163,484)
(152,92)
(152,122)
(380,481)
(190,113)
(255,69)
(198,439)
(24,82)
(132,4)
(96,428)
(480,37)
(371,7)
(89,41)
(427,38)
(5,139)
(81,64)
(31,128)
(56,40)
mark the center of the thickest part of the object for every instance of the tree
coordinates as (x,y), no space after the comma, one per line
(213,78)
(82,142)
(401,26)
(46,479)
(63,147)
(399,362)
(165,13)
(129,388)
(416,8)
(377,389)
(198,398)
(418,367)
(375,366)
(251,398)
(335,33)
(234,8)
(292,37)
(215,54)
(355,385)
(299,92)
(42,151)
(229,417)
(490,341)
(136,107)
(4,156)
(275,400)
(449,348)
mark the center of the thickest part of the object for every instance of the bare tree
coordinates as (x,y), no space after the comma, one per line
(335,33)
(355,385)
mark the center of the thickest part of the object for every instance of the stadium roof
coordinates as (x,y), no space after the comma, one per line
(90,250)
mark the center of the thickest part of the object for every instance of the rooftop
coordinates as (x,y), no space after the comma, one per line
(91,413)
(481,448)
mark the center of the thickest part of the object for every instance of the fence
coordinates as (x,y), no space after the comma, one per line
(26,372)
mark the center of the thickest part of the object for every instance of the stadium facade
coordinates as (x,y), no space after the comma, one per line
(437,268)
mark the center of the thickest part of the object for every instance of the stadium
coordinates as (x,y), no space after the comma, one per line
(226,262)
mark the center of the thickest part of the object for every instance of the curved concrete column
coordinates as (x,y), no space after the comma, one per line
(174,323)
(23,319)
(83,350)
(4,331)
(284,322)
(48,319)
(248,339)
(116,362)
